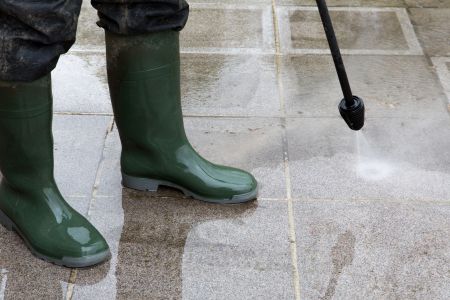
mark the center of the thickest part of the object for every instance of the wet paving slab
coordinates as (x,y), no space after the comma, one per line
(229,85)
(260,152)
(431,25)
(340,215)
(442,67)
(80,84)
(229,28)
(170,247)
(428,3)
(348,3)
(23,276)
(360,30)
(373,249)
(89,35)
(76,138)
(392,86)
(78,151)
(391,159)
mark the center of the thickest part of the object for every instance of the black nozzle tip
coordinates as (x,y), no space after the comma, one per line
(354,114)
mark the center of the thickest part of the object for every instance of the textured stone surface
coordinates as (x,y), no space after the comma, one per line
(89,35)
(351,3)
(392,86)
(24,276)
(254,145)
(202,250)
(431,25)
(428,3)
(373,249)
(399,159)
(78,150)
(354,29)
(80,84)
(229,85)
(222,28)
(370,210)
(173,247)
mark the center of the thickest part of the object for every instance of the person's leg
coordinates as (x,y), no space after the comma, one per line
(144,78)
(30,201)
(130,17)
(33,34)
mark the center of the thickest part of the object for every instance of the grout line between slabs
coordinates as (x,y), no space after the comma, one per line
(3,281)
(432,62)
(287,175)
(375,200)
(267,117)
(74,272)
(99,170)
(71,283)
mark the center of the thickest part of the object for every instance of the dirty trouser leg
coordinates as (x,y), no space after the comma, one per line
(33,34)
(130,17)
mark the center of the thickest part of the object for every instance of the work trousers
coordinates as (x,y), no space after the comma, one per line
(34,33)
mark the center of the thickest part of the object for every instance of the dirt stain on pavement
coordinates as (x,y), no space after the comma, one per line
(341,256)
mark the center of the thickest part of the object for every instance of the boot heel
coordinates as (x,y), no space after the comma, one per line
(6,222)
(140,184)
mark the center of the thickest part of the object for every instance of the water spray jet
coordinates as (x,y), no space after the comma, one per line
(351,107)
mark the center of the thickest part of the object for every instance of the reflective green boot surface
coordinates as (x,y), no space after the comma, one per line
(144,81)
(30,202)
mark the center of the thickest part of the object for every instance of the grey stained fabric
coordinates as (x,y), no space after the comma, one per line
(33,34)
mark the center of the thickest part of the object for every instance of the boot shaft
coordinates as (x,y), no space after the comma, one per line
(144,81)
(26,141)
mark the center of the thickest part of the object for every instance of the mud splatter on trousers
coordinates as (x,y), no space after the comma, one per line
(33,34)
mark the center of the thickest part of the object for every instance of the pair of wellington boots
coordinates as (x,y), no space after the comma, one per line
(144,81)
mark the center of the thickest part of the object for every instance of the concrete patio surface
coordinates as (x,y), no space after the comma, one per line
(341,215)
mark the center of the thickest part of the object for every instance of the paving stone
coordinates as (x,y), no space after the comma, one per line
(373,249)
(230,85)
(172,248)
(80,84)
(228,28)
(442,67)
(427,3)
(432,25)
(391,159)
(100,282)
(386,31)
(235,2)
(375,3)
(26,277)
(156,262)
(89,35)
(392,86)
(254,145)
(78,149)
(77,138)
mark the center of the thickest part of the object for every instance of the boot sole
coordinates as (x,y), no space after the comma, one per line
(70,262)
(151,185)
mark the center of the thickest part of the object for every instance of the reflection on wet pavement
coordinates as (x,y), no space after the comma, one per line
(168,246)
(340,216)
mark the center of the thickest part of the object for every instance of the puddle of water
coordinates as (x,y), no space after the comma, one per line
(369,165)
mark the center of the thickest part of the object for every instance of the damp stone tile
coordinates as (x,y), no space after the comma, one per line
(373,249)
(390,159)
(391,86)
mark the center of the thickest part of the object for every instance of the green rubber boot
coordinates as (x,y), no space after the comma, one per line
(144,81)
(30,202)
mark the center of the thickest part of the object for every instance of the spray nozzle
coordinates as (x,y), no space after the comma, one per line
(353,113)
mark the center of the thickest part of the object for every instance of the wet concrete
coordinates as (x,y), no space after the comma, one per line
(373,249)
(340,215)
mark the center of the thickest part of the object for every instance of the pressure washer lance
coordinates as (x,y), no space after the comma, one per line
(351,107)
